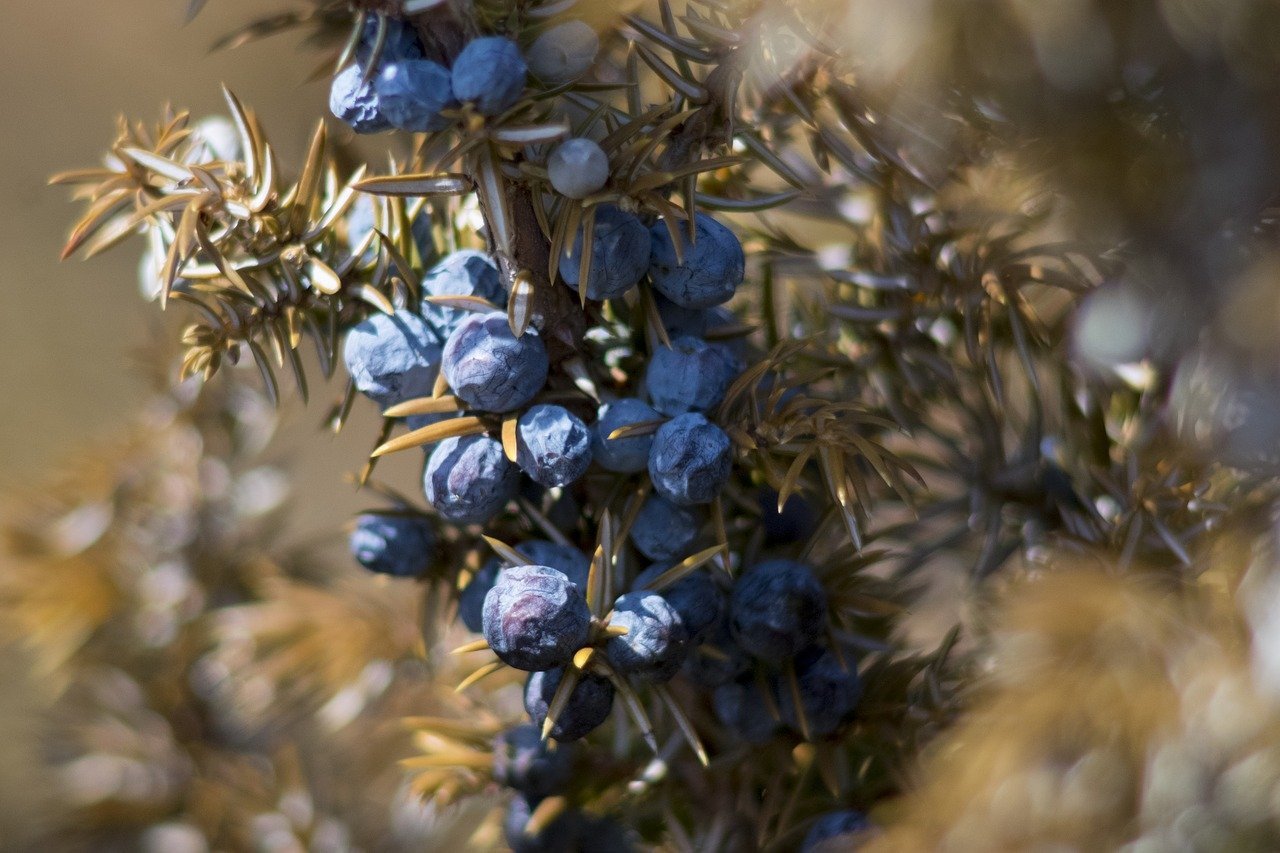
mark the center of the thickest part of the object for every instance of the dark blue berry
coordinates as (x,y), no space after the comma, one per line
(399,545)
(742,708)
(689,376)
(589,703)
(411,94)
(656,641)
(466,272)
(778,607)
(690,460)
(575,564)
(491,369)
(828,692)
(619,254)
(553,445)
(561,836)
(469,479)
(524,761)
(471,599)
(712,269)
(400,42)
(696,598)
(489,73)
(625,454)
(795,523)
(665,531)
(535,618)
(718,659)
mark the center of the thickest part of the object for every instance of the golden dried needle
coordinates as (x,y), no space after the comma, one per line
(564,691)
(473,646)
(481,673)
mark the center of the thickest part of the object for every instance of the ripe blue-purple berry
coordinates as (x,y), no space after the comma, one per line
(465,272)
(563,53)
(696,598)
(656,641)
(619,254)
(553,445)
(718,659)
(392,358)
(589,703)
(777,607)
(560,836)
(796,522)
(524,761)
(713,266)
(399,545)
(471,598)
(468,479)
(564,558)
(489,73)
(742,708)
(577,168)
(625,454)
(412,92)
(535,618)
(690,460)
(491,369)
(665,531)
(835,831)
(355,101)
(828,692)
(400,42)
(689,376)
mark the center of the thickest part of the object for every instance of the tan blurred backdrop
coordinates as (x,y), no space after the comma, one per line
(69,332)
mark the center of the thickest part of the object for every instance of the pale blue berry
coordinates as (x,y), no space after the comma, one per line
(489,73)
(578,168)
(564,53)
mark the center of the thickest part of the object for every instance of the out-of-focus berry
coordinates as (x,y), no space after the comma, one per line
(718,659)
(695,597)
(619,254)
(412,92)
(400,42)
(535,618)
(828,692)
(468,479)
(575,564)
(625,454)
(564,53)
(796,522)
(578,168)
(471,599)
(399,545)
(665,531)
(489,73)
(778,607)
(689,376)
(561,836)
(742,708)
(604,835)
(835,831)
(466,272)
(713,266)
(690,460)
(214,138)
(355,102)
(361,219)
(553,445)
(589,703)
(524,761)
(392,358)
(490,368)
(656,641)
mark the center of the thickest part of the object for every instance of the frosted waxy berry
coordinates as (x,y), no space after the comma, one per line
(471,599)
(689,376)
(553,445)
(665,531)
(489,73)
(743,709)
(355,101)
(563,53)
(466,272)
(713,266)
(777,608)
(589,703)
(392,358)
(695,597)
(656,641)
(535,618)
(490,368)
(560,836)
(690,460)
(828,692)
(619,255)
(833,831)
(523,761)
(625,454)
(398,545)
(468,479)
(412,92)
(578,168)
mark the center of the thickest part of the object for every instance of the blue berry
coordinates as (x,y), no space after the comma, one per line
(471,599)
(604,835)
(578,168)
(553,445)
(355,101)
(690,460)
(561,836)
(689,376)
(401,41)
(795,523)
(626,454)
(665,531)
(399,545)
(564,53)
(718,659)
(535,618)
(778,607)
(679,321)
(411,94)
(588,707)
(696,598)
(392,358)
(712,269)
(490,73)
(468,479)
(490,368)
(656,641)
(575,564)
(830,832)
(742,708)
(619,254)
(524,761)
(462,273)
(828,693)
